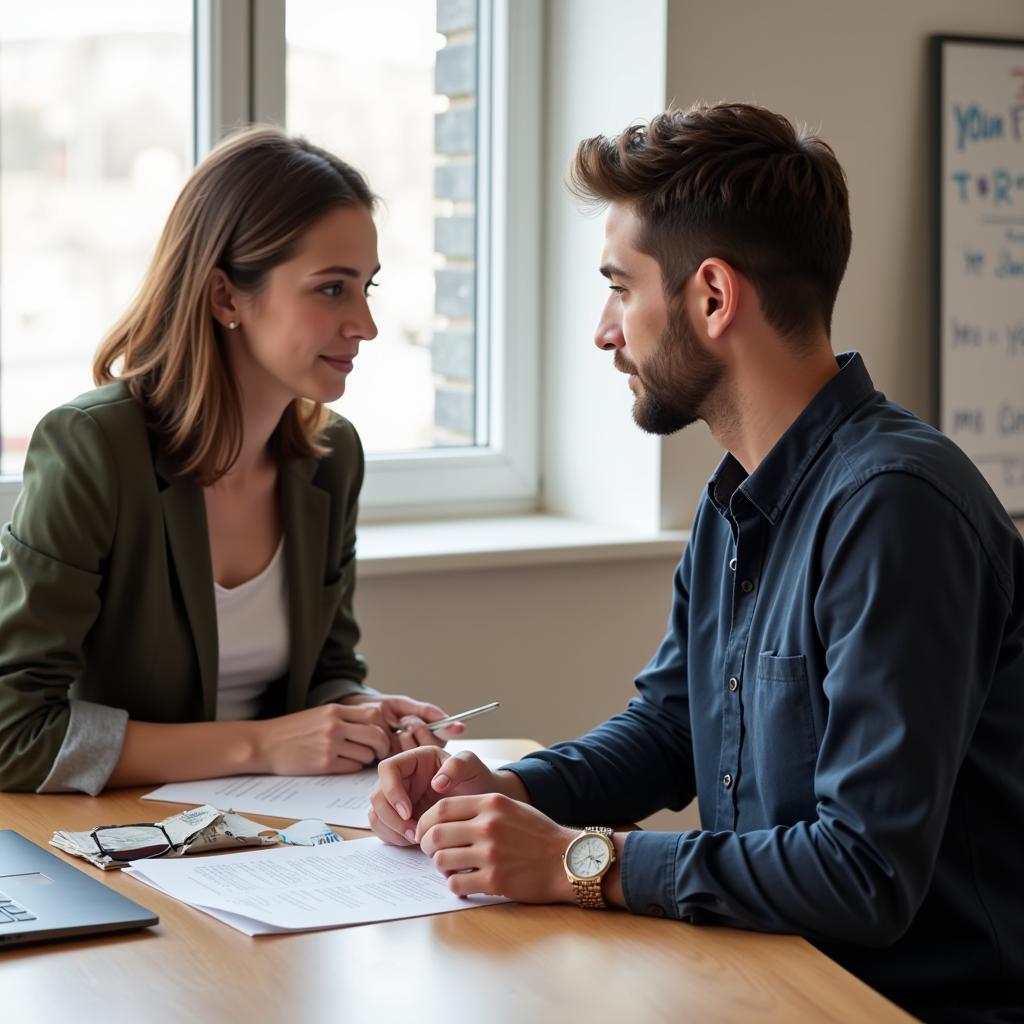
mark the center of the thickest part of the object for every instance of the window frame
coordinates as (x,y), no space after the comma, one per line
(247,84)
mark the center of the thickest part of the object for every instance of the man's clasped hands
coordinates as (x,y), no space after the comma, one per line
(475,823)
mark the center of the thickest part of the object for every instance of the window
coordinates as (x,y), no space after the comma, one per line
(95,128)
(425,97)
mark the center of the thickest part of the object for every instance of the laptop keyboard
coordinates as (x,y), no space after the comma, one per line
(13,913)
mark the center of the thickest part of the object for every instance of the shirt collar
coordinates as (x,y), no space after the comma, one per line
(770,487)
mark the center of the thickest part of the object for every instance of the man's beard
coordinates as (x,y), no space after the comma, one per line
(676,382)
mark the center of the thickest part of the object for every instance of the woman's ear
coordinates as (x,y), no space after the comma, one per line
(717,296)
(222,299)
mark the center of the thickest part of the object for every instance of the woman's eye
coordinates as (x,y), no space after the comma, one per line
(371,284)
(332,291)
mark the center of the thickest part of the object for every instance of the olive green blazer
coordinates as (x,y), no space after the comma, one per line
(106,583)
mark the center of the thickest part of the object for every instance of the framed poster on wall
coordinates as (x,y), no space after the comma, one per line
(979,167)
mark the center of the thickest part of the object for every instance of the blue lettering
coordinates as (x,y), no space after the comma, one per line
(969,420)
(973,261)
(965,335)
(1017,114)
(974,125)
(1011,421)
(1002,182)
(1009,265)
(1015,338)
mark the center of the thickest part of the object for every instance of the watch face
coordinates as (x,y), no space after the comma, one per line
(588,856)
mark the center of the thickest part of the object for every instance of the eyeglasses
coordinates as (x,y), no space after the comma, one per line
(131,842)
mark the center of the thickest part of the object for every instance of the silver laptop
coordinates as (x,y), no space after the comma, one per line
(43,898)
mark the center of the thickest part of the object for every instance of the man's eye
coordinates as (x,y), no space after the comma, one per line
(617,288)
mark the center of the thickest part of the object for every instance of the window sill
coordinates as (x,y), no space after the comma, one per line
(393,549)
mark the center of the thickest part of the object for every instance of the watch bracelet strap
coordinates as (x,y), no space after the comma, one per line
(588,891)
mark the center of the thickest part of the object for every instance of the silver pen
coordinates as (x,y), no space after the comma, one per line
(460,717)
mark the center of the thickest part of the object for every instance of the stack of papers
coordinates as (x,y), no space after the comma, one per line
(300,889)
(336,799)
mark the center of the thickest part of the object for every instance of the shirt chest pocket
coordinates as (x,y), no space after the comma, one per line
(782,745)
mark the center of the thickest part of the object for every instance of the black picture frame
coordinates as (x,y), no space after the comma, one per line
(1004,471)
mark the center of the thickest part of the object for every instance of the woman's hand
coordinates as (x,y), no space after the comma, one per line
(409,715)
(325,740)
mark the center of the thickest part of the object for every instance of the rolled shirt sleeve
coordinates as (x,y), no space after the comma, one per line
(90,751)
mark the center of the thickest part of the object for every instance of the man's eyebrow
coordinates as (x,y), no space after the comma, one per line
(608,269)
(344,271)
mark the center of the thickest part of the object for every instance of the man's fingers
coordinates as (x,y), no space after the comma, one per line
(458,770)
(456,858)
(385,832)
(398,773)
(390,818)
(450,809)
(447,835)
(470,883)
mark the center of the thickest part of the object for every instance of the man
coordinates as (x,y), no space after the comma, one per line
(842,680)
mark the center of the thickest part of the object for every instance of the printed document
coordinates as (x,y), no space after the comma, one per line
(290,889)
(335,799)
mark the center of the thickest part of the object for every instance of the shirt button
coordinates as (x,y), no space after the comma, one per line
(727,780)
(734,684)
(732,564)
(655,911)
(746,586)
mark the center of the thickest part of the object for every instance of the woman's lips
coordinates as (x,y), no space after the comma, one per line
(343,364)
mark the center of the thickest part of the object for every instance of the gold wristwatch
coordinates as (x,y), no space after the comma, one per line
(586,861)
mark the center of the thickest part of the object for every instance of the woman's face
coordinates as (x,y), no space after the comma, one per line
(299,334)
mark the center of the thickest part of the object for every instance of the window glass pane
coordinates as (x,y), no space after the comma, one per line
(391,88)
(95,142)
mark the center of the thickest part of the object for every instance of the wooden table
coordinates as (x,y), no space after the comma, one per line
(509,963)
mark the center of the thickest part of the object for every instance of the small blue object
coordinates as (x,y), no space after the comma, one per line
(309,832)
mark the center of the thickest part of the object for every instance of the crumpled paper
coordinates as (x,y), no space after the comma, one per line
(196,830)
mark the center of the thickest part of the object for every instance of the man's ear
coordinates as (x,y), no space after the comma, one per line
(716,296)
(222,298)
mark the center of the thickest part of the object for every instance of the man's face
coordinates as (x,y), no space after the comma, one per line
(670,373)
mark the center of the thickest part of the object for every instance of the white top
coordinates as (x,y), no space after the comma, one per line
(253,639)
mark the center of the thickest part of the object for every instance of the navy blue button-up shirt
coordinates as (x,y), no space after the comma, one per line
(842,687)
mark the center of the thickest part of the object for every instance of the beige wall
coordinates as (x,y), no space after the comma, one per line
(858,73)
(559,646)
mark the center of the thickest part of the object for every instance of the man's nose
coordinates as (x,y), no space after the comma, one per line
(608,335)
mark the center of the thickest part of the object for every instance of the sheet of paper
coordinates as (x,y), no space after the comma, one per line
(336,799)
(305,888)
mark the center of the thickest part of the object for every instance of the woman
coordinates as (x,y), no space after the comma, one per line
(176,581)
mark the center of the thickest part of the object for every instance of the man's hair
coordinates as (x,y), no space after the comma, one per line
(737,182)
(245,210)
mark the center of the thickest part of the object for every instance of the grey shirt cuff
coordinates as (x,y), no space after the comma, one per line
(90,751)
(335,689)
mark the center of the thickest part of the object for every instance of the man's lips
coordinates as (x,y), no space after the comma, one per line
(623,367)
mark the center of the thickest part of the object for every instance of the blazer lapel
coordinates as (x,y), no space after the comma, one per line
(305,511)
(188,536)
